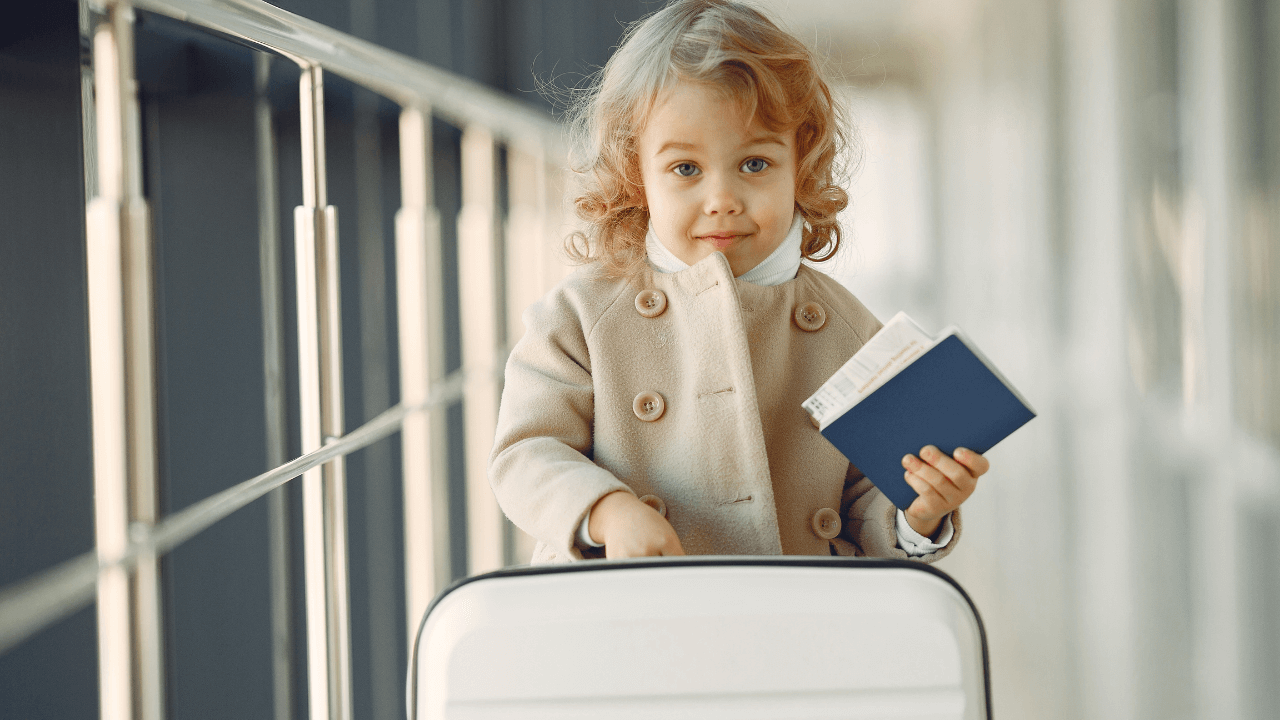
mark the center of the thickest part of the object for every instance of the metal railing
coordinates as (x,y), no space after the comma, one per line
(122,573)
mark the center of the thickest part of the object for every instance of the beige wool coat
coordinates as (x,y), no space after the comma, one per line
(691,394)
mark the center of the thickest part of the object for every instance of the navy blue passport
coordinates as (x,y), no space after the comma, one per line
(946,397)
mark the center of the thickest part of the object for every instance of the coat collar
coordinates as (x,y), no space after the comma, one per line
(714,270)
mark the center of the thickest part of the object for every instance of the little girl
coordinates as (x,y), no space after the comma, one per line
(653,406)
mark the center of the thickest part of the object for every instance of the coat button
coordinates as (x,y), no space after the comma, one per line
(649,406)
(810,316)
(826,523)
(656,503)
(650,303)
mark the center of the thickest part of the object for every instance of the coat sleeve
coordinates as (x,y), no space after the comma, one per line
(870,523)
(540,468)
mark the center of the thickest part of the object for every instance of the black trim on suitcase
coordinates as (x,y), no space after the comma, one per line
(411,694)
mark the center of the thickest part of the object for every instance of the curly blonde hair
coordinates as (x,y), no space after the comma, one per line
(731,46)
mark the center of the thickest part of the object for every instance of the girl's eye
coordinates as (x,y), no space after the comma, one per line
(686,169)
(755,165)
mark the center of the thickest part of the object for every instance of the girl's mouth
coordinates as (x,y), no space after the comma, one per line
(720,241)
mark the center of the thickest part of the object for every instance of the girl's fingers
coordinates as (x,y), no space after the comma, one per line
(977,464)
(927,491)
(958,474)
(943,482)
(944,486)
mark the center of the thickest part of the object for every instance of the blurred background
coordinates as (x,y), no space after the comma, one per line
(1090,188)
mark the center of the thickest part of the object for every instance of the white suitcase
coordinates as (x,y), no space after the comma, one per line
(703,637)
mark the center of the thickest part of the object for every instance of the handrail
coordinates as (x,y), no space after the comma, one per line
(399,77)
(29,605)
(130,538)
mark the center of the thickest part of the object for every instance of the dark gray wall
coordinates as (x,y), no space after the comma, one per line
(46,491)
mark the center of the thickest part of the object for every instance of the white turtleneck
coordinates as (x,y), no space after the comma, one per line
(781,265)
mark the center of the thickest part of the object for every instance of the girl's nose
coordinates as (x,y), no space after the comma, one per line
(722,199)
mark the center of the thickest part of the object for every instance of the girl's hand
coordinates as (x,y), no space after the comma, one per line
(942,484)
(630,528)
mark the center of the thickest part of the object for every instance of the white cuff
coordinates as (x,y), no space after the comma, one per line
(916,544)
(584,535)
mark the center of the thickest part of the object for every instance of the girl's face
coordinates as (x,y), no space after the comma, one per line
(714,182)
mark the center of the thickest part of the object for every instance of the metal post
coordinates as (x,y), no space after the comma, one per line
(274,391)
(1099,404)
(122,373)
(527,276)
(324,514)
(527,209)
(420,307)
(481,338)
(557,220)
(1209,77)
